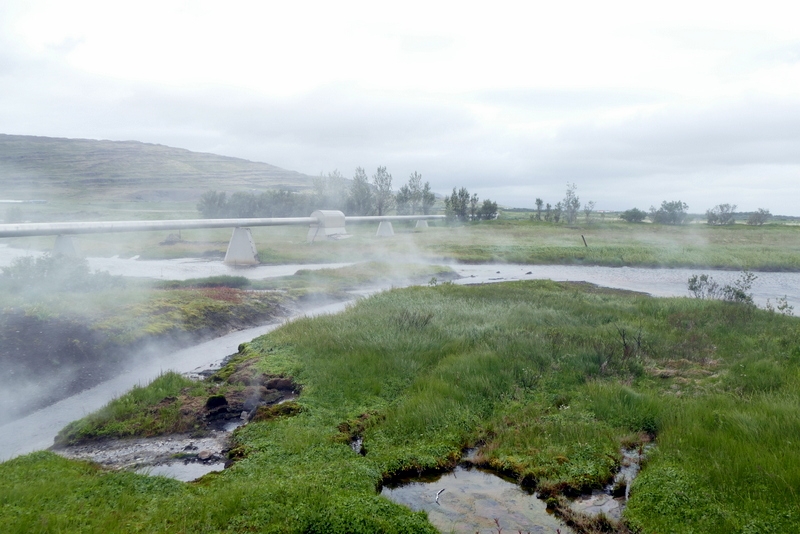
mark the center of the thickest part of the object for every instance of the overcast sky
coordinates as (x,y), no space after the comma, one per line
(693,101)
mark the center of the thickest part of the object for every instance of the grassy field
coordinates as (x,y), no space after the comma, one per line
(770,247)
(538,374)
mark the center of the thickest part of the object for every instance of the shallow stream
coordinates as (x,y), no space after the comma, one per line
(37,430)
(469,499)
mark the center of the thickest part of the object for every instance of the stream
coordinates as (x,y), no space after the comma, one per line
(466,499)
(37,430)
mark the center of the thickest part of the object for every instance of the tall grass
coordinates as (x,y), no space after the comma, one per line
(131,414)
(537,373)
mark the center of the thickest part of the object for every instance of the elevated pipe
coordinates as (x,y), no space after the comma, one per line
(390,218)
(73,228)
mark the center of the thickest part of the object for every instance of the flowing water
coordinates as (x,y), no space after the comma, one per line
(491,494)
(656,282)
(36,431)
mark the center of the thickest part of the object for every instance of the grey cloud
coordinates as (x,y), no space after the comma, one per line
(566,99)
(737,152)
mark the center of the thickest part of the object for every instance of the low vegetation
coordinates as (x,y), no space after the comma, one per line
(549,379)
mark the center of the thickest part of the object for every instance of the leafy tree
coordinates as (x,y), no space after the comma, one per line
(428,199)
(361,200)
(721,214)
(558,211)
(539,203)
(415,191)
(757,218)
(488,210)
(473,207)
(384,199)
(548,214)
(213,205)
(402,200)
(277,203)
(457,205)
(462,206)
(242,205)
(330,192)
(571,205)
(633,215)
(409,196)
(669,213)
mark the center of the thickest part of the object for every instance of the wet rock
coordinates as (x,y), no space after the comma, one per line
(204,455)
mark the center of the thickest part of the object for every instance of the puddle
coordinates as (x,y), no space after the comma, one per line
(184,472)
(611,500)
(474,500)
(357,444)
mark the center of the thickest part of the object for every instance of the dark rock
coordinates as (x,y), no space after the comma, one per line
(285,384)
(216,401)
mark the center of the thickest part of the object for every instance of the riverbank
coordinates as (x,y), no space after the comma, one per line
(548,379)
(49,353)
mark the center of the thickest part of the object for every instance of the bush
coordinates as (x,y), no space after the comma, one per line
(757,218)
(669,213)
(721,214)
(705,287)
(633,215)
(57,273)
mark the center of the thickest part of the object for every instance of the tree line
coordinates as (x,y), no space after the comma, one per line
(568,209)
(361,196)
(675,212)
(461,206)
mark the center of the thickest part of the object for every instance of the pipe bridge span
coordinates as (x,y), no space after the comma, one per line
(323,224)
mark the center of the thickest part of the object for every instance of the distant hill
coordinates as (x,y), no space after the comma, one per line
(49,168)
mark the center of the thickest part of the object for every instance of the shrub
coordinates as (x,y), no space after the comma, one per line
(669,213)
(705,287)
(757,218)
(721,214)
(633,215)
(50,272)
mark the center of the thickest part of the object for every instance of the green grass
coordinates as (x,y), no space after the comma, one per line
(768,247)
(535,371)
(133,414)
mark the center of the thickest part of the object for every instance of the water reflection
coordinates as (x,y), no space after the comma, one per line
(474,500)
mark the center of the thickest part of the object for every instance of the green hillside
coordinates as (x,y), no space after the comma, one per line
(56,169)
